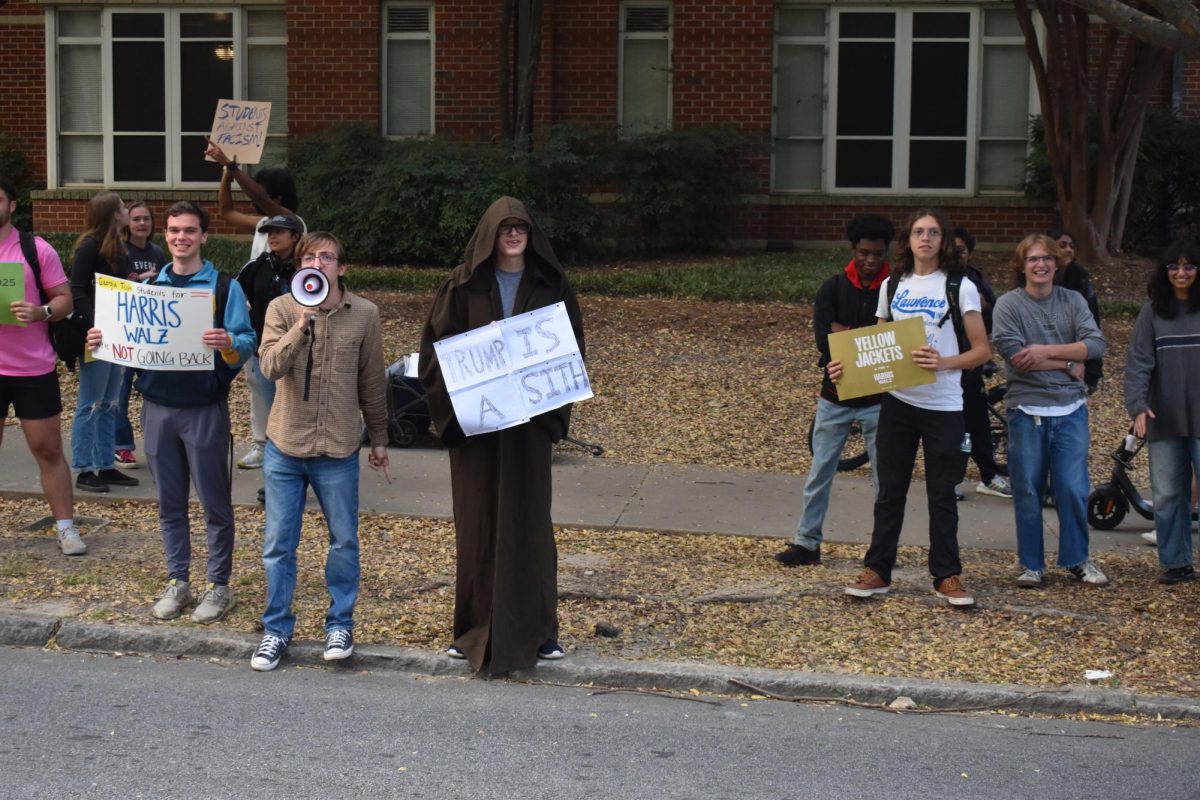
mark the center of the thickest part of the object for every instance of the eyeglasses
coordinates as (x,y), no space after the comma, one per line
(507,229)
(326,259)
(1047,259)
(1184,267)
(921,233)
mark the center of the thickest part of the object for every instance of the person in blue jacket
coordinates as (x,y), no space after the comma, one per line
(185,424)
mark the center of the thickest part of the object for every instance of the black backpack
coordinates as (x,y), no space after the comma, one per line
(953,312)
(67,336)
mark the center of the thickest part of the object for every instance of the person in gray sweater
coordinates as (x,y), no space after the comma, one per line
(1044,333)
(1162,396)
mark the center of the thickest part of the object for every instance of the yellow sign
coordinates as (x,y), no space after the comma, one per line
(878,358)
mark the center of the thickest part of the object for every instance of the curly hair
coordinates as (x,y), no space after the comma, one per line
(1160,290)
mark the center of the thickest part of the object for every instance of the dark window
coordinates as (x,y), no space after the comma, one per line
(192,165)
(137,26)
(939,88)
(205,76)
(932,25)
(866,165)
(138,96)
(881,25)
(865,88)
(937,165)
(195,26)
(140,158)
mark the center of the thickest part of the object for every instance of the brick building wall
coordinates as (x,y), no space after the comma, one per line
(333,63)
(23,32)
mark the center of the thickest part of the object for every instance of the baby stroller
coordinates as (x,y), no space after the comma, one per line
(407,408)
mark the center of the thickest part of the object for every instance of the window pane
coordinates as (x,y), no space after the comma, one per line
(937,165)
(140,158)
(939,88)
(266,23)
(266,71)
(408,87)
(1001,22)
(1001,165)
(206,76)
(137,26)
(79,87)
(192,163)
(802,22)
(865,165)
(78,23)
(274,154)
(138,95)
(800,90)
(798,164)
(217,26)
(871,25)
(644,89)
(932,25)
(81,159)
(865,95)
(1005,95)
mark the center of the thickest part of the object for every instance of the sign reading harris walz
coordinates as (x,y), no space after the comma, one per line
(151,326)
(878,358)
(504,373)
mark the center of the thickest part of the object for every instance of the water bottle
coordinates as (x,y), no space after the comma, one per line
(966,443)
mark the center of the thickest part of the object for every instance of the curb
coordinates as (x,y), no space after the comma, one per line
(39,630)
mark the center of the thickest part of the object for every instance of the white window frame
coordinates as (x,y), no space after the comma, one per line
(1032,107)
(624,36)
(431,36)
(809,41)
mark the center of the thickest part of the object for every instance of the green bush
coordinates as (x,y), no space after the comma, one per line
(15,169)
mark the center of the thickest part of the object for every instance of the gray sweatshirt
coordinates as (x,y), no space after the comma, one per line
(1062,317)
(1162,373)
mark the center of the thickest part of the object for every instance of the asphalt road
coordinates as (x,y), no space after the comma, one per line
(78,725)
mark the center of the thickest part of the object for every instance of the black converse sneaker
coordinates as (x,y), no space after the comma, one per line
(270,650)
(339,644)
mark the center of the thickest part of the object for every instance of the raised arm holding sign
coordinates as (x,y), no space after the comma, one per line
(240,129)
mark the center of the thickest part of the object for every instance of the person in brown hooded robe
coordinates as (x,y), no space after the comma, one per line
(506,587)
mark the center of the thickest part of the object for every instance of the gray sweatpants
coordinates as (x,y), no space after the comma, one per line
(185,444)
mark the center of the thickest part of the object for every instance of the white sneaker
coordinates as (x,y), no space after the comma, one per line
(1029,579)
(996,487)
(1088,572)
(70,542)
(253,458)
(1151,538)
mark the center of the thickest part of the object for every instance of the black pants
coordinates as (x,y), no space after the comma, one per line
(901,428)
(975,415)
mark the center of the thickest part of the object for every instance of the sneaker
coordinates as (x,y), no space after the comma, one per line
(958,494)
(1151,538)
(116,477)
(796,555)
(270,650)
(996,487)
(253,458)
(868,583)
(174,599)
(262,495)
(125,459)
(1089,573)
(70,542)
(550,650)
(1177,575)
(1030,579)
(453,651)
(953,592)
(90,482)
(339,644)
(215,603)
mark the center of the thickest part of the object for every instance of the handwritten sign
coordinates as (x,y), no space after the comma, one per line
(878,358)
(151,326)
(12,287)
(240,129)
(504,373)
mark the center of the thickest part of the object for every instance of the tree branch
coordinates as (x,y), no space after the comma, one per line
(1179,29)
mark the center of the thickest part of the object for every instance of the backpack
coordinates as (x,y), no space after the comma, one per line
(67,336)
(953,312)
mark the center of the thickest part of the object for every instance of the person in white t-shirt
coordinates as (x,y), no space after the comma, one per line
(930,414)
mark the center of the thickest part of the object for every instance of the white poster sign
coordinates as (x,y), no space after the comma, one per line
(151,326)
(240,129)
(504,373)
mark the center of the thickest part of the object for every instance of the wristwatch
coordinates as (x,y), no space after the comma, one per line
(48,311)
(1070,366)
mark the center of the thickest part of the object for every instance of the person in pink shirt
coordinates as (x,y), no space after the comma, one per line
(28,378)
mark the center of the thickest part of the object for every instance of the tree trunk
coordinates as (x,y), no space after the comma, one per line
(522,134)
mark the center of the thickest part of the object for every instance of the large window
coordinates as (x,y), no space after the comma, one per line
(644,67)
(407,69)
(133,90)
(880,100)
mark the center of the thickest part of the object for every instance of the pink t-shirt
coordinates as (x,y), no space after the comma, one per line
(26,351)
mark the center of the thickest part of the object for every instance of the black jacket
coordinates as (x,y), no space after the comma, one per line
(1076,278)
(262,280)
(842,299)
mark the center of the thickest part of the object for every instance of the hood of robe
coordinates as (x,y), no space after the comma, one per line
(483,241)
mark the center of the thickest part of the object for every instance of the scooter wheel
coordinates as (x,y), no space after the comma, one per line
(1106,507)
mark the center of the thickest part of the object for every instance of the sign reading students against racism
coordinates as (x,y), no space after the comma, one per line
(240,129)
(150,326)
(502,374)
(878,358)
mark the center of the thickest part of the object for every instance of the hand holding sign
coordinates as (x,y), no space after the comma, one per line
(239,131)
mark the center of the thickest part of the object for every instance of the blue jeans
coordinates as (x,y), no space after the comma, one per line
(93,433)
(830,429)
(124,434)
(335,482)
(1056,447)
(1173,462)
(262,397)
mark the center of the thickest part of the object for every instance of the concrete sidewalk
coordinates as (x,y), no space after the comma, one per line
(598,493)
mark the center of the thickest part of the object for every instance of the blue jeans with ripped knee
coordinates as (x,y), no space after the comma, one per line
(94,430)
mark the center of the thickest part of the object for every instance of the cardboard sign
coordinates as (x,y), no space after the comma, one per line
(878,358)
(240,129)
(152,326)
(504,373)
(12,287)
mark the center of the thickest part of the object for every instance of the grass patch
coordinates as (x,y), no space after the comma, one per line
(17,566)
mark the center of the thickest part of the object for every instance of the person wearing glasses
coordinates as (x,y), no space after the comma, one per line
(506,585)
(1045,332)
(1162,396)
(327,365)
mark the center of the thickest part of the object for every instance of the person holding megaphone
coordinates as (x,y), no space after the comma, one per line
(323,347)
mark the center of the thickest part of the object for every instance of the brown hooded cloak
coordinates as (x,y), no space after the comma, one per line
(506,588)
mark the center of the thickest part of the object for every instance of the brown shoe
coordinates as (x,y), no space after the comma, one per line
(868,583)
(953,592)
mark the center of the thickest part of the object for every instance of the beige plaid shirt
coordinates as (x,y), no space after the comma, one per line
(347,377)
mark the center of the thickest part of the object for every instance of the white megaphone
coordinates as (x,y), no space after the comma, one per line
(310,287)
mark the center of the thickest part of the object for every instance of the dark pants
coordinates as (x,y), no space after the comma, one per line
(975,415)
(901,428)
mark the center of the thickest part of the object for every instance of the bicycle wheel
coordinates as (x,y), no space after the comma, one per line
(854,453)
